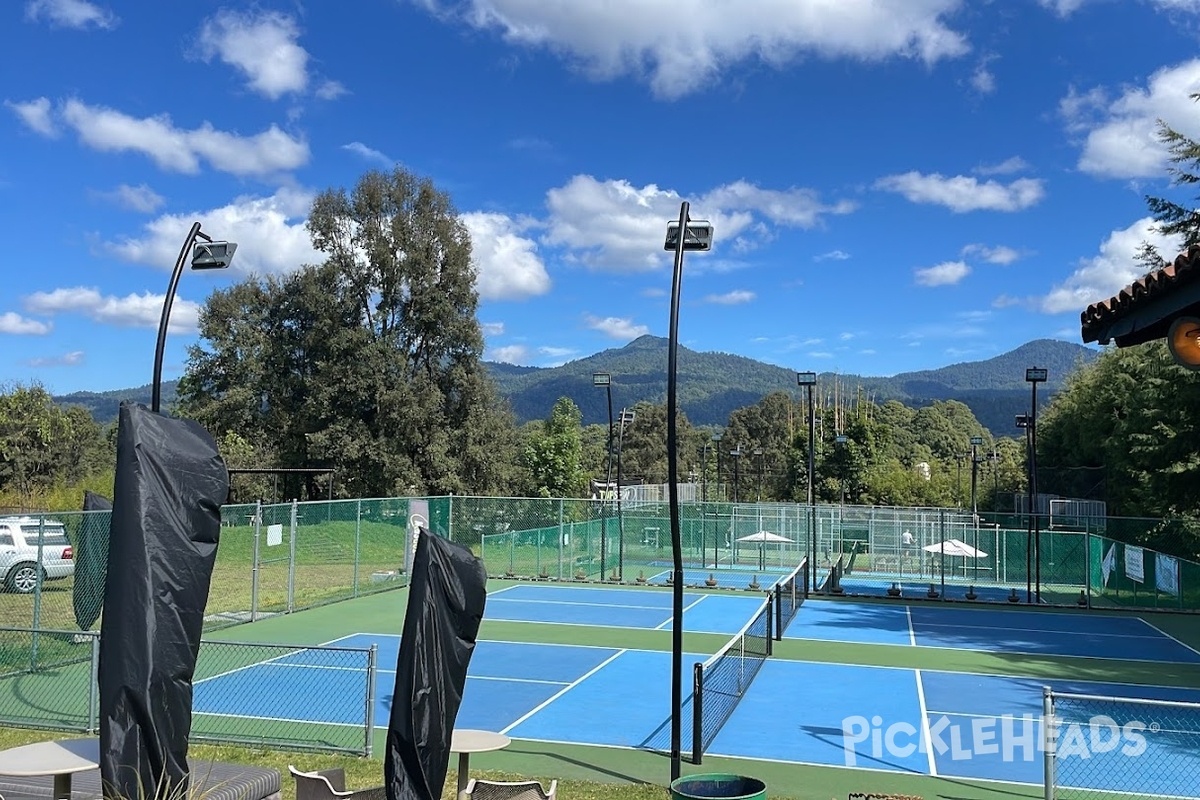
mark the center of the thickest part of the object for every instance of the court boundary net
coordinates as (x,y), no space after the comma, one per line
(722,680)
(790,592)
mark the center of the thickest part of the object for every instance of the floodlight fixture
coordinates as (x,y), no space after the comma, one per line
(601,379)
(213,255)
(1024,421)
(1183,340)
(806,379)
(976,441)
(698,237)
(1036,375)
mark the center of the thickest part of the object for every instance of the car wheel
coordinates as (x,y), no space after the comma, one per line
(23,578)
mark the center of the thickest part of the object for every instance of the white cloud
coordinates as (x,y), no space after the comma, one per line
(947,273)
(330,90)
(16,325)
(36,115)
(736,297)
(262,46)
(1065,8)
(507,264)
(556,356)
(78,14)
(1005,167)
(1062,7)
(492,328)
(135,198)
(74,358)
(369,154)
(1122,135)
(961,194)
(993,255)
(132,311)
(269,231)
(617,327)
(616,226)
(1109,271)
(179,150)
(832,255)
(983,80)
(510,354)
(681,47)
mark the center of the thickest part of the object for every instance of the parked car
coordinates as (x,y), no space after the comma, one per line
(19,541)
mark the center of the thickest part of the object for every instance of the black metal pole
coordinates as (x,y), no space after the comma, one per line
(974,499)
(673,493)
(607,484)
(156,383)
(1029,518)
(737,475)
(812,508)
(1037,528)
(620,518)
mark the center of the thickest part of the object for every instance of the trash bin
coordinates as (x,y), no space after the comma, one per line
(724,787)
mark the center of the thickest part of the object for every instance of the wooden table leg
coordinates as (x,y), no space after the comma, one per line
(62,787)
(464,766)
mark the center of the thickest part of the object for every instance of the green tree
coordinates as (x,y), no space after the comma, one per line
(553,454)
(370,362)
(1173,218)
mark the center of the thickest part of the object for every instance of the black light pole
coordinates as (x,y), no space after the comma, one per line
(737,475)
(976,441)
(758,451)
(210,255)
(994,457)
(680,237)
(809,380)
(1034,376)
(627,417)
(605,380)
(1024,421)
(716,437)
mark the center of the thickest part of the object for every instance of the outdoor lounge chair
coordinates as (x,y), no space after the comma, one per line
(521,790)
(330,784)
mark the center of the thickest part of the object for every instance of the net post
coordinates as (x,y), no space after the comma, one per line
(1050,739)
(697,713)
(770,617)
(778,615)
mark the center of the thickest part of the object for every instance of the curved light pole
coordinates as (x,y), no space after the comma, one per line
(681,236)
(604,379)
(210,255)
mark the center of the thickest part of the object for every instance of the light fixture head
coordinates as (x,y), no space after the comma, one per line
(806,379)
(213,255)
(1036,375)
(601,379)
(699,235)
(976,441)
(1183,340)
(1023,421)
(842,439)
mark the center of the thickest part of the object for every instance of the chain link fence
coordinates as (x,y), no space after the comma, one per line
(298,697)
(1098,748)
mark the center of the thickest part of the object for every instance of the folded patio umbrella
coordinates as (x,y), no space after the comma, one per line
(446,598)
(166,519)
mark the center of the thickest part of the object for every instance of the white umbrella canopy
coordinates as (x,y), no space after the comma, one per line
(764,536)
(954,547)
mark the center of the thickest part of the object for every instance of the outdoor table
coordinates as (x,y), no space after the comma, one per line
(467,741)
(61,758)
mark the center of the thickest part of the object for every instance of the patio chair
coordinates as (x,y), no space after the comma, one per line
(478,789)
(330,784)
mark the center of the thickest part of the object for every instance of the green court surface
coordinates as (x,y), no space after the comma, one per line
(63,690)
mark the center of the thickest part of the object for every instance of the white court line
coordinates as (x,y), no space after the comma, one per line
(912,636)
(502,591)
(1159,630)
(564,690)
(686,608)
(925,734)
(1043,630)
(576,603)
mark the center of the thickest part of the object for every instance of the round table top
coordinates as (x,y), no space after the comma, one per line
(58,757)
(465,740)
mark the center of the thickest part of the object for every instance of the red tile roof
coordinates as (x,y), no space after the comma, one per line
(1150,287)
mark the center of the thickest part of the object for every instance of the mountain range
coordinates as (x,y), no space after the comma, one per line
(711,385)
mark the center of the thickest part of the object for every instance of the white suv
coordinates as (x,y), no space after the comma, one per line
(19,553)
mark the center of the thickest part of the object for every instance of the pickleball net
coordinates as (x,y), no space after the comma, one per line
(722,680)
(790,592)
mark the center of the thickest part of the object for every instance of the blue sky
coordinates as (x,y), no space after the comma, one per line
(894,184)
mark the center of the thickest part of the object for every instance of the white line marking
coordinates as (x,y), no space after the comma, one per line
(564,690)
(912,636)
(925,734)
(576,603)
(1159,630)
(686,608)
(502,591)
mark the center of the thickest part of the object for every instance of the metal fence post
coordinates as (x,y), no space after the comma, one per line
(561,542)
(372,658)
(1050,740)
(37,592)
(254,566)
(357,545)
(291,584)
(93,721)
(450,518)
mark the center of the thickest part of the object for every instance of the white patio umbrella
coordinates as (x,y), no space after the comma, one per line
(762,537)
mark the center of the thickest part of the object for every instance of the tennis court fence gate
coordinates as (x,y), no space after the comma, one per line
(295,697)
(1129,746)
